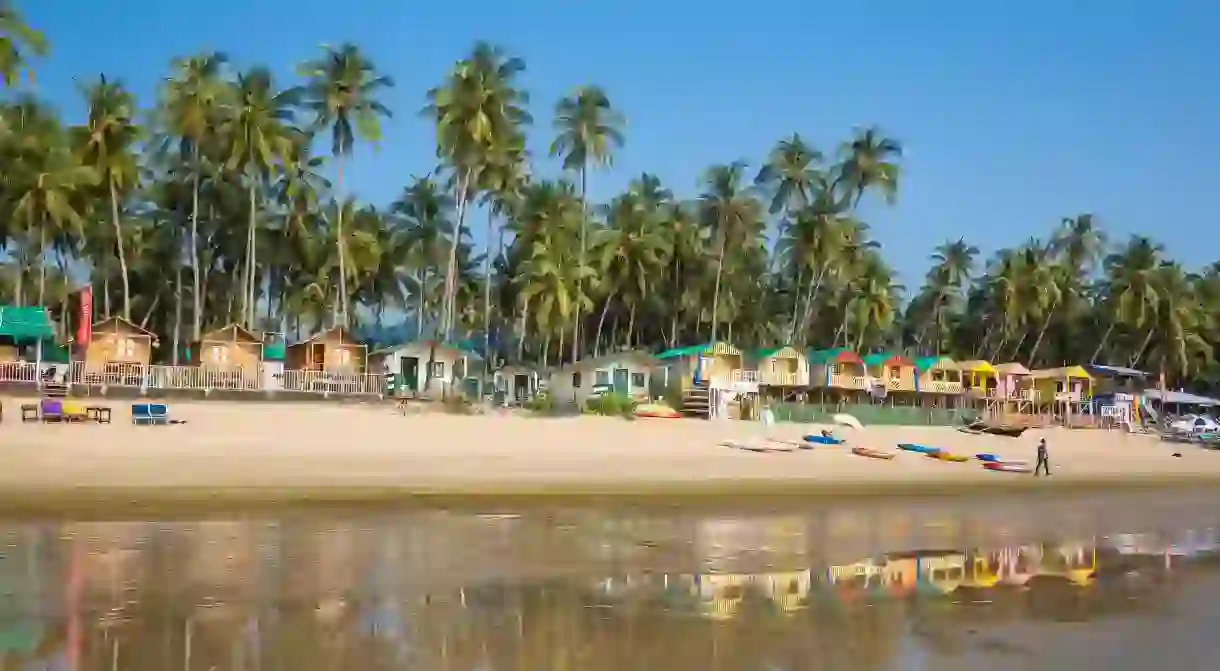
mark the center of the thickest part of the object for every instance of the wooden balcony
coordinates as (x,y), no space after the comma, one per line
(778,378)
(900,384)
(844,381)
(941,387)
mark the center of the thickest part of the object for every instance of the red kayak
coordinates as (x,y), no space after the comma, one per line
(1007,467)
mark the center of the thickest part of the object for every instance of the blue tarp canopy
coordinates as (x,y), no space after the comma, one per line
(1180,397)
(1115,371)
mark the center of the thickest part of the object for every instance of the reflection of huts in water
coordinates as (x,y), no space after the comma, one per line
(938,570)
(110,555)
(221,557)
(721,595)
(753,544)
(1075,561)
(982,569)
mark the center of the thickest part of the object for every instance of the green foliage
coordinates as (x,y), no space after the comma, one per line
(542,404)
(612,405)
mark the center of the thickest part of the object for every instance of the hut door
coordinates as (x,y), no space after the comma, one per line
(621,379)
(408,367)
(317,356)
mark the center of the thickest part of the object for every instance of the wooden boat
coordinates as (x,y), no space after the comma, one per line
(946,456)
(922,449)
(1006,430)
(871,453)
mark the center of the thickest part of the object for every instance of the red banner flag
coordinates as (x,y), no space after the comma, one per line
(84,327)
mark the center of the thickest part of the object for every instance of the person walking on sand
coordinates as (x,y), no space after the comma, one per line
(1044,461)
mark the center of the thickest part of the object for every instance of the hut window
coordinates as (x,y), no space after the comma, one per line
(834,369)
(603,377)
(637,380)
(343,356)
(126,347)
(220,354)
(895,371)
(938,375)
(576,380)
(438,369)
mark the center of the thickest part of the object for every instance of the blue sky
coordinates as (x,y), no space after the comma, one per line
(1013,114)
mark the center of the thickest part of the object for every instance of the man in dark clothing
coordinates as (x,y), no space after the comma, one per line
(1044,461)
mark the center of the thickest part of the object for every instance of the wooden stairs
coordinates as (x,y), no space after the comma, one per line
(697,400)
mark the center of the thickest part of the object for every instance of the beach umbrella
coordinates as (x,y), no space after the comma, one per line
(844,419)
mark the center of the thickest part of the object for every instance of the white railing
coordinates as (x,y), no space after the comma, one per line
(18,371)
(845,381)
(210,377)
(325,382)
(745,376)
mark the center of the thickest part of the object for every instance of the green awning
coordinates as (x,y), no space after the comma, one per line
(689,350)
(274,351)
(25,323)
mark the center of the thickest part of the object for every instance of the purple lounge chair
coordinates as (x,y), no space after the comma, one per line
(51,410)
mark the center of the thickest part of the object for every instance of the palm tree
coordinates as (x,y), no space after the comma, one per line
(790,175)
(18,41)
(588,131)
(298,188)
(258,135)
(869,162)
(342,95)
(476,108)
(190,105)
(426,212)
(732,213)
(946,281)
(106,143)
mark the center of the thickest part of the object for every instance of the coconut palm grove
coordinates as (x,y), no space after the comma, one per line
(225,200)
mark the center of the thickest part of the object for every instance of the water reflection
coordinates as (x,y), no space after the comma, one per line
(586,589)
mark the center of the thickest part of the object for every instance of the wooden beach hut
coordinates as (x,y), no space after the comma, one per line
(781,369)
(229,358)
(408,365)
(713,378)
(118,353)
(893,371)
(938,381)
(332,351)
(837,368)
(979,378)
(1064,392)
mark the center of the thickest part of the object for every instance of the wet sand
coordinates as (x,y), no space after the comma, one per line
(320,451)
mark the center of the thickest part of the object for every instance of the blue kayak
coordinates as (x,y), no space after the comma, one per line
(823,440)
(922,449)
(987,456)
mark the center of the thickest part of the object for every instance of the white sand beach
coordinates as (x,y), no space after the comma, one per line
(374,448)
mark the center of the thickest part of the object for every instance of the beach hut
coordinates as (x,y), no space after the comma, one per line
(427,367)
(894,371)
(937,376)
(979,378)
(713,378)
(118,353)
(1014,381)
(230,356)
(837,368)
(516,383)
(626,373)
(1070,384)
(782,367)
(332,351)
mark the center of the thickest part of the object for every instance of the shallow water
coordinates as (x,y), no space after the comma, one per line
(1097,582)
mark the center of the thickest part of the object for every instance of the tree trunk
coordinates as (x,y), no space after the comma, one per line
(149,313)
(815,288)
(421,308)
(1139,354)
(177,335)
(251,264)
(447,320)
(525,309)
(631,328)
(716,291)
(106,296)
(580,286)
(1102,345)
(118,241)
(601,324)
(198,297)
(491,220)
(340,243)
(42,262)
(1049,315)
(796,302)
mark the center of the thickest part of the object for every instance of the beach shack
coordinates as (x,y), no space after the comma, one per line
(838,370)
(893,372)
(713,378)
(427,367)
(118,352)
(625,373)
(979,378)
(781,368)
(937,379)
(229,358)
(1065,392)
(516,383)
(1015,383)
(332,351)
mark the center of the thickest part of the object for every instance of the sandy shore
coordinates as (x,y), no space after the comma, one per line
(325,451)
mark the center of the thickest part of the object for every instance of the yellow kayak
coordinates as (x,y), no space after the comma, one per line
(946,456)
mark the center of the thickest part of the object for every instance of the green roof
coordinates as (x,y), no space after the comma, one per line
(689,350)
(881,357)
(817,356)
(459,347)
(25,323)
(923,363)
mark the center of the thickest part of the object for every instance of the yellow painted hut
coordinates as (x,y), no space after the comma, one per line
(979,378)
(712,363)
(895,371)
(782,367)
(837,368)
(1066,384)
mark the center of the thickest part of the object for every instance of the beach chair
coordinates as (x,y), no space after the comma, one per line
(29,412)
(149,413)
(74,412)
(98,413)
(51,410)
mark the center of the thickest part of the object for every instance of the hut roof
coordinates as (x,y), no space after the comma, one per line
(834,355)
(926,363)
(116,321)
(780,352)
(1066,372)
(1012,368)
(976,366)
(886,359)
(718,347)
